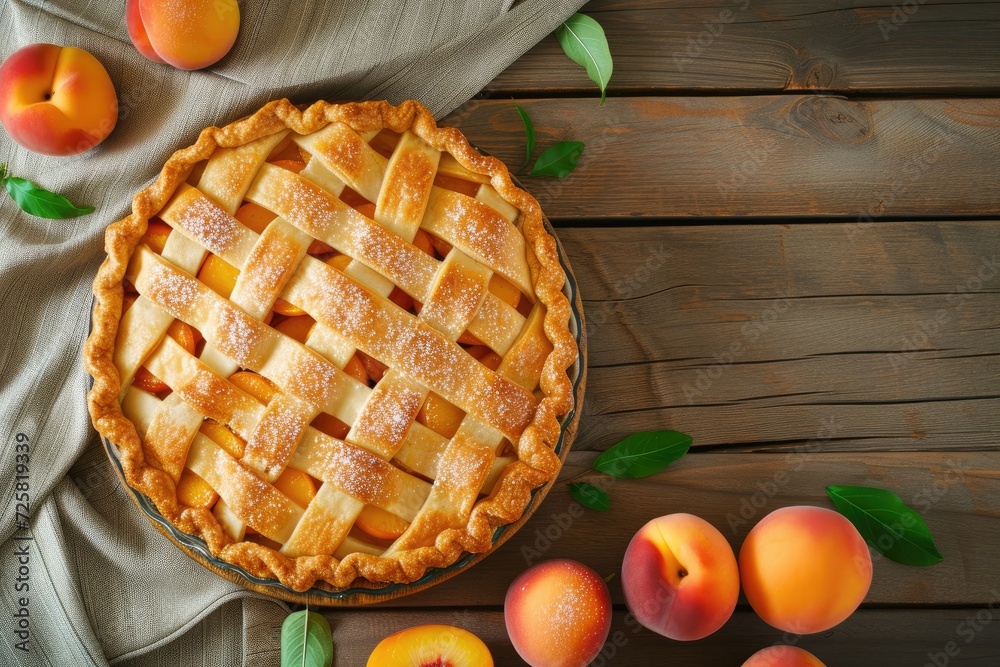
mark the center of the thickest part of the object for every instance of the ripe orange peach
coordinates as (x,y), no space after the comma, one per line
(680,577)
(434,645)
(558,614)
(137,32)
(56,100)
(805,569)
(783,656)
(188,34)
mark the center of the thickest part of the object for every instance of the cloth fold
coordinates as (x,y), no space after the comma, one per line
(84,578)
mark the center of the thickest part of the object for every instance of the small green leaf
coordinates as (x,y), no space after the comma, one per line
(590,496)
(38,201)
(888,524)
(559,160)
(529,131)
(306,640)
(643,454)
(584,41)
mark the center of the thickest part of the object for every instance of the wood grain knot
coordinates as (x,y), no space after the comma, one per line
(820,75)
(832,119)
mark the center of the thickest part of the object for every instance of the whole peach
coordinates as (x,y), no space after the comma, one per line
(56,100)
(188,34)
(558,614)
(783,656)
(805,569)
(680,577)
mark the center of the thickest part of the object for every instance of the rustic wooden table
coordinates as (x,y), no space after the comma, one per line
(784,227)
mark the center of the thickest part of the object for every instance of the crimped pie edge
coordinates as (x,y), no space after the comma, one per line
(537,461)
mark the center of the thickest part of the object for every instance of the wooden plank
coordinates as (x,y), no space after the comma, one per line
(880,337)
(767,45)
(957,494)
(786,155)
(869,637)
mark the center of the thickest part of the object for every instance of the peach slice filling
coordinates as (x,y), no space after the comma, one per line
(436,413)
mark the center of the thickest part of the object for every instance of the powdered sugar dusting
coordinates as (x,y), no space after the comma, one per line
(269,266)
(277,433)
(478,229)
(238,336)
(310,377)
(170,289)
(386,419)
(210,225)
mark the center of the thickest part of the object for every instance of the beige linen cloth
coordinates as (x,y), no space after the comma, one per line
(105,587)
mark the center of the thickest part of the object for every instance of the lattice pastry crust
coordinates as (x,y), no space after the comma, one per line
(343,241)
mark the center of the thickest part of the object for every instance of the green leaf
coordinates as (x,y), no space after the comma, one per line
(590,496)
(888,524)
(584,41)
(643,454)
(38,201)
(306,640)
(559,160)
(529,131)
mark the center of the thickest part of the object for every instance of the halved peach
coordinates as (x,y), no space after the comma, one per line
(431,646)
(381,524)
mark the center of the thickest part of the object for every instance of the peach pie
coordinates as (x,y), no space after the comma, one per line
(333,344)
